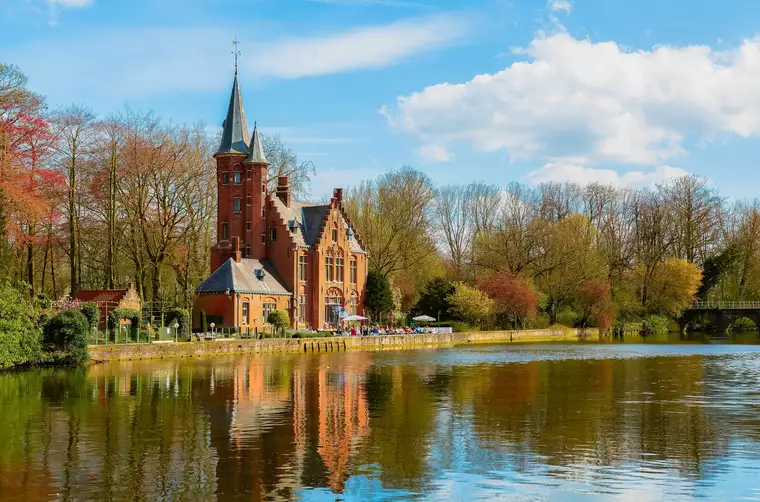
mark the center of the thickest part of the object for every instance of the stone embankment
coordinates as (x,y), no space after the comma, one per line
(333,344)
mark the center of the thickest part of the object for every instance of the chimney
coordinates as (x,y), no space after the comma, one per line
(283,189)
(338,194)
(236,248)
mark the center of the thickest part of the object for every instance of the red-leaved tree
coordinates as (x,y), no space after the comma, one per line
(595,305)
(512,295)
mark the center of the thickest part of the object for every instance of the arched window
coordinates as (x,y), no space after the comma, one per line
(333,306)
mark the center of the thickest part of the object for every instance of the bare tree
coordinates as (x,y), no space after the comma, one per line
(454,215)
(76,133)
(284,162)
(393,217)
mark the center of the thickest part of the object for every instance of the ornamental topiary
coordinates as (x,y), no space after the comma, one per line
(279,319)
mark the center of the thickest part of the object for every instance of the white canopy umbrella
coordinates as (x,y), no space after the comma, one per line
(354,318)
(423,318)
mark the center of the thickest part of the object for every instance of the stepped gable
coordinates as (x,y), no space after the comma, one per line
(244,277)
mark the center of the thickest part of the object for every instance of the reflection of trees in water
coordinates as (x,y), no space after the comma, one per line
(601,412)
(264,427)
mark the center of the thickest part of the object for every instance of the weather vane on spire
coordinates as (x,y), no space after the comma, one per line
(236,52)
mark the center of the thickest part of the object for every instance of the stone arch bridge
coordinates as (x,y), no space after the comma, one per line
(722,314)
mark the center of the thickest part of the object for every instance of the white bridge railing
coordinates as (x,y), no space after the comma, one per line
(725,305)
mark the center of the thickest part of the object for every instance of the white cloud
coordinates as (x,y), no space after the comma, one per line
(590,102)
(561,6)
(359,48)
(433,154)
(70,3)
(559,171)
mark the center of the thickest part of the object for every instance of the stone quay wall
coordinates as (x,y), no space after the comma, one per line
(333,344)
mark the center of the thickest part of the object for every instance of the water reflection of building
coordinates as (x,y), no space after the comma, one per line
(343,421)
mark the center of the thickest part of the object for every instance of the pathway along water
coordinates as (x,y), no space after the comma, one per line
(547,421)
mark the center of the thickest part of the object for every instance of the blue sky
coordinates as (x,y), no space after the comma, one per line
(624,92)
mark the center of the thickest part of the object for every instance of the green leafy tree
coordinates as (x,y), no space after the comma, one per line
(470,303)
(716,268)
(181,317)
(379,297)
(67,331)
(434,299)
(19,331)
(279,319)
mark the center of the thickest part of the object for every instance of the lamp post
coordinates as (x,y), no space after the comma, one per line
(439,319)
(176,331)
(212,329)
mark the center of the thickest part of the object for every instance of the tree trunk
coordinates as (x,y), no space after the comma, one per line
(30,268)
(111,223)
(73,242)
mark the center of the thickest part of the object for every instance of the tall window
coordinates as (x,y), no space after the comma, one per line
(246,306)
(302,314)
(225,230)
(268,309)
(236,204)
(353,304)
(339,269)
(237,177)
(248,174)
(248,226)
(248,200)
(329,269)
(273,234)
(352,273)
(248,251)
(302,267)
(225,178)
(335,234)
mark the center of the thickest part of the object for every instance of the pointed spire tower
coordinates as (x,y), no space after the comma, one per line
(256,151)
(235,128)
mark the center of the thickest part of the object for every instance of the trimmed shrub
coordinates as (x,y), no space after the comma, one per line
(19,329)
(92,313)
(67,331)
(115,317)
(204,321)
(279,319)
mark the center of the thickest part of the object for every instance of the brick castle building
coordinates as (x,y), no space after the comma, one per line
(271,251)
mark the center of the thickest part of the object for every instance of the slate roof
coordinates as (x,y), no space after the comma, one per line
(235,128)
(309,218)
(256,154)
(242,278)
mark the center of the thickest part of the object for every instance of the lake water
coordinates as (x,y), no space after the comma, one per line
(630,421)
